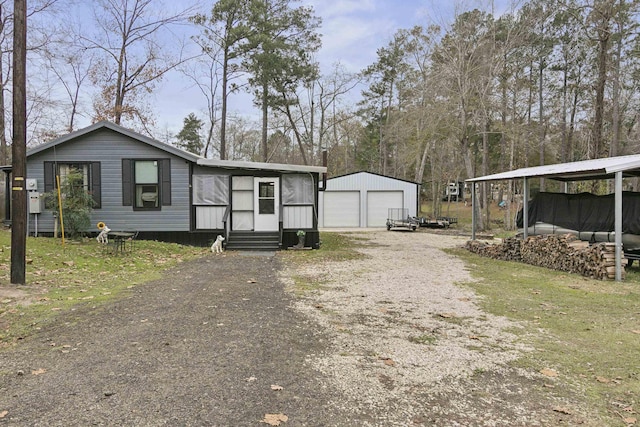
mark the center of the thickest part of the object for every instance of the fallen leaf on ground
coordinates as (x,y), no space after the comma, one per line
(276,387)
(630,420)
(603,380)
(388,361)
(636,331)
(3,414)
(549,372)
(274,419)
(562,410)
(38,371)
(69,263)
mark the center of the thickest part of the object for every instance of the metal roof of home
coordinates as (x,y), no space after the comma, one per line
(229,164)
(574,171)
(116,128)
(281,167)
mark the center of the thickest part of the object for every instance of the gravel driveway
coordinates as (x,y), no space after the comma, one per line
(222,341)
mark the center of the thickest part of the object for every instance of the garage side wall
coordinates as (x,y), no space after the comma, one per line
(362,200)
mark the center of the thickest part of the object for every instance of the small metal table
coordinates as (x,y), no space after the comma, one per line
(118,240)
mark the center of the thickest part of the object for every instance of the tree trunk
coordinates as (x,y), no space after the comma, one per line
(564,148)
(265,147)
(287,112)
(604,34)
(4,155)
(541,130)
(615,114)
(467,156)
(223,119)
(486,196)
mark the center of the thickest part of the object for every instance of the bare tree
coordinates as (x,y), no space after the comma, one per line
(36,40)
(204,72)
(132,58)
(71,68)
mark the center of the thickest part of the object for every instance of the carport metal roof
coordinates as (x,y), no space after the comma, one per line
(606,168)
(575,171)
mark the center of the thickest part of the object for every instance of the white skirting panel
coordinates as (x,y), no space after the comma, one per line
(209,217)
(297,217)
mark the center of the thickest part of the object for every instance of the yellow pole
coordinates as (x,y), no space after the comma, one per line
(60,208)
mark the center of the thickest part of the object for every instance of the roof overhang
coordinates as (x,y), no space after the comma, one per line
(604,168)
(279,167)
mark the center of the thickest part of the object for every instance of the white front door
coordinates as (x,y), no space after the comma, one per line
(266,193)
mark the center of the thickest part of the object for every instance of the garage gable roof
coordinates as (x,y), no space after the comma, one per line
(372,173)
(574,171)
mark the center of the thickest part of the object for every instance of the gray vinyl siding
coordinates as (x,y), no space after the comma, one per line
(109,148)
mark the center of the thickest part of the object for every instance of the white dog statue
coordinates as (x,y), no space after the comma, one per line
(217,245)
(103,237)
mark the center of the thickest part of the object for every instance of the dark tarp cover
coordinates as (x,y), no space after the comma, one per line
(584,211)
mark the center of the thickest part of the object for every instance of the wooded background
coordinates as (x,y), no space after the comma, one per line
(551,81)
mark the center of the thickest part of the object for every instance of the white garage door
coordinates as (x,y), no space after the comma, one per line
(341,209)
(378,204)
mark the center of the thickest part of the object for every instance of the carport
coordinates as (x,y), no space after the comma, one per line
(615,168)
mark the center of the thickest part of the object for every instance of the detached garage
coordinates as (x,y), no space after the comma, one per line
(363,199)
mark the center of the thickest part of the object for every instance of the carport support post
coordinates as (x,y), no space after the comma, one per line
(473,210)
(525,208)
(618,225)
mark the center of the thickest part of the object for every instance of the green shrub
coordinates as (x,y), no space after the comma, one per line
(77,204)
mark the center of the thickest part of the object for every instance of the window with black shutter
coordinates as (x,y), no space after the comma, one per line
(91,177)
(146,183)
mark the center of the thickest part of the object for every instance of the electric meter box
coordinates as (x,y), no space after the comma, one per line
(35,202)
(31,184)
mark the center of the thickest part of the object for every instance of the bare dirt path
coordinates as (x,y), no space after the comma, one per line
(201,347)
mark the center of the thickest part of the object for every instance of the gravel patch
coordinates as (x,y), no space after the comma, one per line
(412,346)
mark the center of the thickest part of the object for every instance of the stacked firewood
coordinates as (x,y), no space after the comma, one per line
(508,250)
(558,252)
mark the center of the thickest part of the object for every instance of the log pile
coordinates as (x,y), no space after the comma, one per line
(558,252)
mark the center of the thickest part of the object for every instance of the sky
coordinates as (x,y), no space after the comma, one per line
(352,31)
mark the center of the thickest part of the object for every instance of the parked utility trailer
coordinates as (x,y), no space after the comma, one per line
(399,218)
(439,222)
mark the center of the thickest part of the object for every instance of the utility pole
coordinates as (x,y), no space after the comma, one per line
(19,144)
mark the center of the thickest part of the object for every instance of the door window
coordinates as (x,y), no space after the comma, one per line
(266,198)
